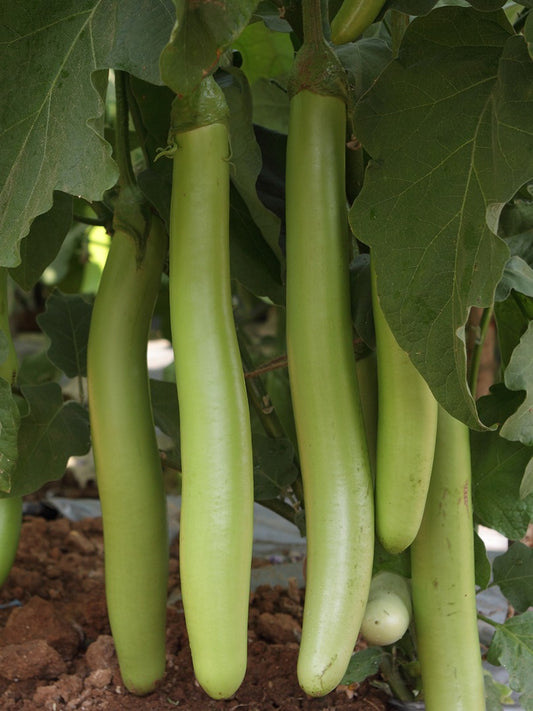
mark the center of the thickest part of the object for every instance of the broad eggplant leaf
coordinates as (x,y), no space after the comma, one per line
(43,242)
(517,275)
(53,80)
(496,694)
(519,376)
(361,299)
(482,563)
(253,264)
(265,53)
(274,468)
(526,487)
(364,61)
(201,34)
(513,573)
(434,188)
(495,408)
(66,322)
(512,319)
(266,62)
(164,397)
(362,664)
(399,563)
(52,432)
(512,648)
(528,33)
(9,426)
(498,468)
(246,157)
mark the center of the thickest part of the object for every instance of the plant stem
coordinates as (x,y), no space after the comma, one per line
(478,348)
(122,142)
(313,16)
(259,397)
(140,128)
(394,679)
(490,622)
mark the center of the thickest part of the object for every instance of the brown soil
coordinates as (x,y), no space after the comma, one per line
(56,651)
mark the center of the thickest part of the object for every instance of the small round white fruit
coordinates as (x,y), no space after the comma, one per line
(388,610)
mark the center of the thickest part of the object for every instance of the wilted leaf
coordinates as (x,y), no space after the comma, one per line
(513,572)
(434,181)
(66,322)
(51,433)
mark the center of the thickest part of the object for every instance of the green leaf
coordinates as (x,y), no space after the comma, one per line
(36,368)
(361,299)
(513,573)
(495,408)
(164,398)
(482,563)
(526,487)
(363,664)
(246,158)
(497,470)
(393,562)
(51,433)
(66,322)
(265,53)
(512,648)
(9,425)
(42,244)
(519,376)
(165,409)
(364,61)
(517,275)
(202,33)
(154,104)
(53,79)
(496,694)
(253,263)
(434,181)
(528,33)
(274,468)
(512,319)
(270,105)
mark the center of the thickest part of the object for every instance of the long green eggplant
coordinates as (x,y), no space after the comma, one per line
(407,428)
(443,585)
(216,526)
(128,467)
(353,18)
(329,422)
